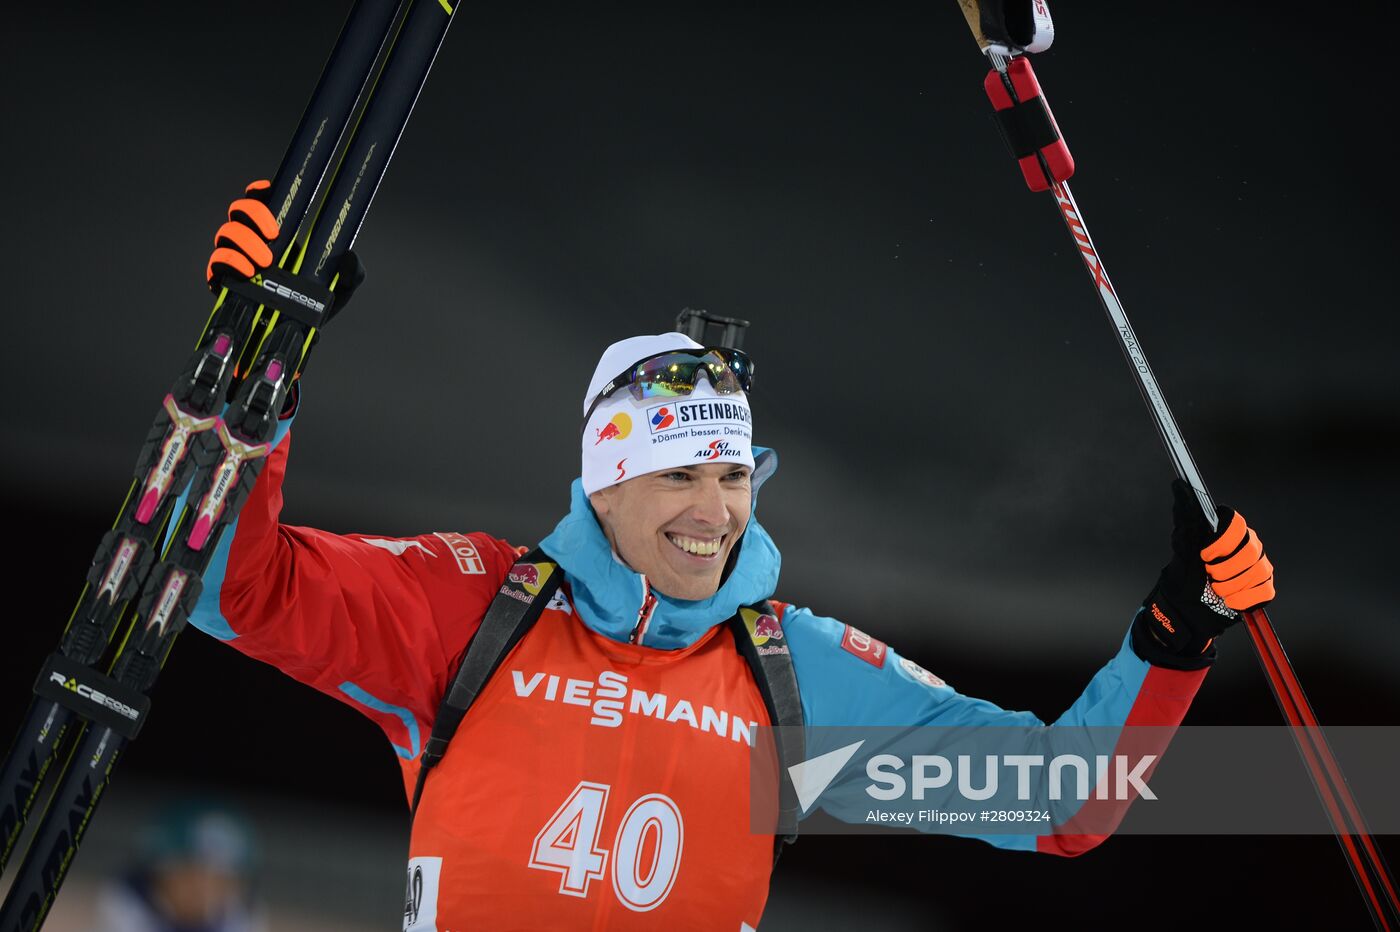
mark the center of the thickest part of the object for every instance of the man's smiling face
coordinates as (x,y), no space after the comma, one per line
(678,526)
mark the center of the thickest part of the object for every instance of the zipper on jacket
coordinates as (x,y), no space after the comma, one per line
(643,613)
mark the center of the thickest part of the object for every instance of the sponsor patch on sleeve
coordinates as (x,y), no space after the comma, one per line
(468,560)
(920,674)
(864,646)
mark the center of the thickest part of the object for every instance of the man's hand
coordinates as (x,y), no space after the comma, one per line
(1182,615)
(242,247)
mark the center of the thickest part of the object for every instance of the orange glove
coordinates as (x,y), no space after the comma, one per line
(241,247)
(1239,572)
(1212,576)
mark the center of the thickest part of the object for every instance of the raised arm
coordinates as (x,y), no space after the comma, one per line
(848,678)
(375,622)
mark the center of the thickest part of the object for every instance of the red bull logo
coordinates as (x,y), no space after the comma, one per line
(616,429)
(525,574)
(762,629)
(529,576)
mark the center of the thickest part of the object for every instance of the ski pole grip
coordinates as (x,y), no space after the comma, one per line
(1028,126)
(972,12)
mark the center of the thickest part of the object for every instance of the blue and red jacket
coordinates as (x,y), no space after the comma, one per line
(381,623)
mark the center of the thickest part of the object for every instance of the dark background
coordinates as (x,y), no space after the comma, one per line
(968,471)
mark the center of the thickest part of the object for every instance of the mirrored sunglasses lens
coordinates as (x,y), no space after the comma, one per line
(723,379)
(737,371)
(661,389)
(743,370)
(664,377)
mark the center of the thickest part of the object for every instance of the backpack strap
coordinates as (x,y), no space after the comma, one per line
(759,635)
(524,593)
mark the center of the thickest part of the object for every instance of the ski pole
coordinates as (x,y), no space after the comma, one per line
(1034,138)
(163,469)
(1363,856)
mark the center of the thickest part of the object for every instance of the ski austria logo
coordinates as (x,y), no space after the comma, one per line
(762,629)
(920,674)
(616,429)
(717,449)
(661,418)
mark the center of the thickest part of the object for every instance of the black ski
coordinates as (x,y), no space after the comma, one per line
(227,451)
(126,553)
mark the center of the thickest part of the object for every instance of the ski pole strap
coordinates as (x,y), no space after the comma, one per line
(754,634)
(1027,125)
(522,598)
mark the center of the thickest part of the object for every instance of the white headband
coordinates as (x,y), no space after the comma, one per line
(625,438)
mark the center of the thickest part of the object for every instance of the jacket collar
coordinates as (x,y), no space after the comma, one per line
(610,597)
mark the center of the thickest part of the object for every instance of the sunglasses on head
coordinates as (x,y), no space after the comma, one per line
(677,372)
